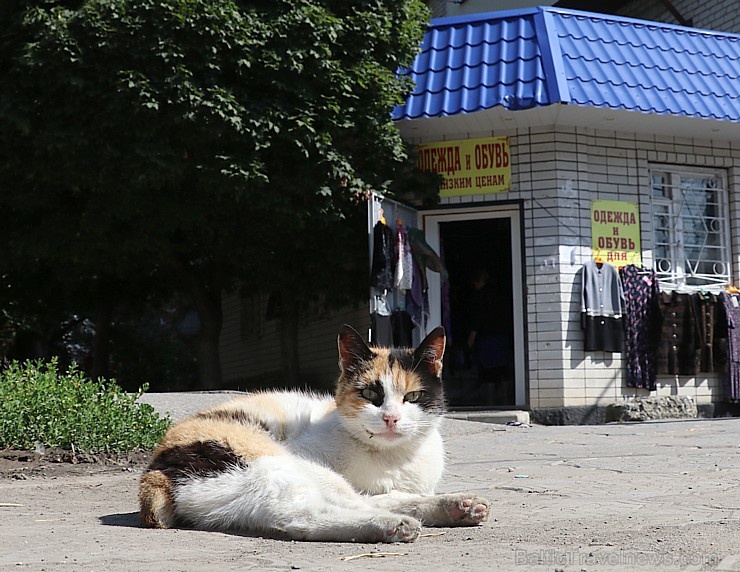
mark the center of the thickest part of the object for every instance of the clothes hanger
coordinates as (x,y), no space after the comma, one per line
(598,258)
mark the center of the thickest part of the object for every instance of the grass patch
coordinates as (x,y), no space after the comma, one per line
(41,406)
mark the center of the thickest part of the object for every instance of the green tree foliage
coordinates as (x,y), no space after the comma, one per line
(163,145)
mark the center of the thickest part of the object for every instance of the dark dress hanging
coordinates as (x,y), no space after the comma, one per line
(711,332)
(677,335)
(382,273)
(641,323)
(403,328)
(381,330)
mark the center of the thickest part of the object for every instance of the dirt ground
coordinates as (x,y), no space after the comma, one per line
(656,496)
(21,465)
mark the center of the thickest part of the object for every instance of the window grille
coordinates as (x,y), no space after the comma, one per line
(690,229)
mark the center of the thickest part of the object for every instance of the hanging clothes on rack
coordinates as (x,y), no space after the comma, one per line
(602,307)
(731,303)
(382,273)
(711,332)
(404,261)
(641,289)
(677,334)
(425,257)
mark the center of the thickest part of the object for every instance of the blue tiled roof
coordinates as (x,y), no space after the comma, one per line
(536,57)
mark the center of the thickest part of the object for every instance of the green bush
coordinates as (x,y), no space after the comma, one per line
(40,405)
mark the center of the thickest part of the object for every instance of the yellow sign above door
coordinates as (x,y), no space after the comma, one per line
(468,166)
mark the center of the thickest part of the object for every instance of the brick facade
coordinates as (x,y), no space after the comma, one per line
(557,172)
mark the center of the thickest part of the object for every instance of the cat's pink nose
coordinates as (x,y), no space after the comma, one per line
(390,420)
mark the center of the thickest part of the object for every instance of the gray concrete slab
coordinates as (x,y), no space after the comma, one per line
(656,495)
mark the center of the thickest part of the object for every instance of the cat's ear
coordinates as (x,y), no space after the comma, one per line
(431,351)
(352,349)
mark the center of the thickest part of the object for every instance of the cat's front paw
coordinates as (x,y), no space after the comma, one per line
(400,529)
(469,510)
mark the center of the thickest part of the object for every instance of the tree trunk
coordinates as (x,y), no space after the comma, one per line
(101,341)
(289,313)
(206,296)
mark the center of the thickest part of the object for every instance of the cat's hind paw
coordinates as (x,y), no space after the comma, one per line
(469,511)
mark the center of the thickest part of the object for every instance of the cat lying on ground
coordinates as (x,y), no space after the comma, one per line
(361,466)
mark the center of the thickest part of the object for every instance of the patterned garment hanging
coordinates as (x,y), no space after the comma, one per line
(641,289)
(731,303)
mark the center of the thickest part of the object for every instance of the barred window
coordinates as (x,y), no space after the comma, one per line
(690,229)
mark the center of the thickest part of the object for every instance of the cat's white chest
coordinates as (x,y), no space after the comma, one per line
(414,468)
(382,472)
(374,478)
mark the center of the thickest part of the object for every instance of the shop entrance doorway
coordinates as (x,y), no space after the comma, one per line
(480,305)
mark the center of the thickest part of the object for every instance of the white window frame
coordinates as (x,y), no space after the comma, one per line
(689,260)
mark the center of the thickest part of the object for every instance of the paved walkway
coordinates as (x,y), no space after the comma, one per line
(658,496)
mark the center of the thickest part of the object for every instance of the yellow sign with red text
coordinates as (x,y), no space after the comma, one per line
(615,232)
(468,166)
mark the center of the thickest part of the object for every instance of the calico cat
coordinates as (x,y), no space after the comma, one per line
(361,466)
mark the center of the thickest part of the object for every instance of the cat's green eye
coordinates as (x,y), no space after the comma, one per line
(371,395)
(412,396)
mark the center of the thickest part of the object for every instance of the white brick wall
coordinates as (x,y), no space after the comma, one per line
(557,173)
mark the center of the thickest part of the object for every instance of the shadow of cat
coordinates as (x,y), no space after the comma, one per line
(128,520)
(132,520)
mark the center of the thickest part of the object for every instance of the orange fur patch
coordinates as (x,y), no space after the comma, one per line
(247,441)
(156,501)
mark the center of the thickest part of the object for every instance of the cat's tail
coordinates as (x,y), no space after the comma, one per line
(156,500)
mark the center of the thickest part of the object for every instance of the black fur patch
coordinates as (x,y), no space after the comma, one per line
(432,398)
(202,459)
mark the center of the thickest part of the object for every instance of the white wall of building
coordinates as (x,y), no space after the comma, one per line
(557,172)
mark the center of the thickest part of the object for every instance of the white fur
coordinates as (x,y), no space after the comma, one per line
(292,496)
(319,489)
(354,447)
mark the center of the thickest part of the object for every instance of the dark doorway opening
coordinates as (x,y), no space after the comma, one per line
(479,366)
